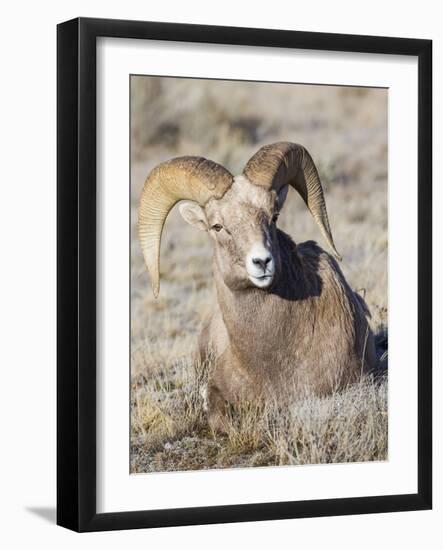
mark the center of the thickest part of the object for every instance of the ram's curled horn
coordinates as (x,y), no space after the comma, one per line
(192,178)
(282,163)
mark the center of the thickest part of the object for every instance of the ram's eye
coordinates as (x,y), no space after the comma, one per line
(217,227)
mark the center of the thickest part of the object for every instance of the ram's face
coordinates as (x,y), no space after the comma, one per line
(242,226)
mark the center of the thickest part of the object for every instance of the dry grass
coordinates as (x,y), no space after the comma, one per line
(170,432)
(346,132)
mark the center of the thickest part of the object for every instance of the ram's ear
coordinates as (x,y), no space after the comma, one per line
(194,214)
(281,197)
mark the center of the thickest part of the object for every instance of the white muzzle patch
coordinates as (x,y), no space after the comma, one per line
(260,266)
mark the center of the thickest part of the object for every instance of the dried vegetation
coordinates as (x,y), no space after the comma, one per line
(345,129)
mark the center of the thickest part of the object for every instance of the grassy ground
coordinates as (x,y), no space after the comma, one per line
(345,129)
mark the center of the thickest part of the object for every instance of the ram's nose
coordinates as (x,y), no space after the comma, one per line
(262,261)
(260,266)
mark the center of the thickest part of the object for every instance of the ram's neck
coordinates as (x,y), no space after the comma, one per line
(257,316)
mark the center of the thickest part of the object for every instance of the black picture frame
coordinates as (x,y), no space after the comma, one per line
(76,279)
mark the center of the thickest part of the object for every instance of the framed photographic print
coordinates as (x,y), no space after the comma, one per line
(244,274)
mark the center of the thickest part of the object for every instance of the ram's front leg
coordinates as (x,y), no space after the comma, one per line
(220,394)
(218,409)
(229,385)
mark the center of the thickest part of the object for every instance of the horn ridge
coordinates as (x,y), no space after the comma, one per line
(286,163)
(182,178)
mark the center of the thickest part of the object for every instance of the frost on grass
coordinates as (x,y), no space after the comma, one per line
(170,431)
(345,130)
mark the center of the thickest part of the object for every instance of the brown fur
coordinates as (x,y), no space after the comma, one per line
(302,330)
(308,333)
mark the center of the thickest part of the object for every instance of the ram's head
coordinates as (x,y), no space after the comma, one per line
(239,213)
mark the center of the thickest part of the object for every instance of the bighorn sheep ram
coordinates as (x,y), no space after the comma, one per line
(286,320)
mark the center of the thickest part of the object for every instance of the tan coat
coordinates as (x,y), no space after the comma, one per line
(309,333)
